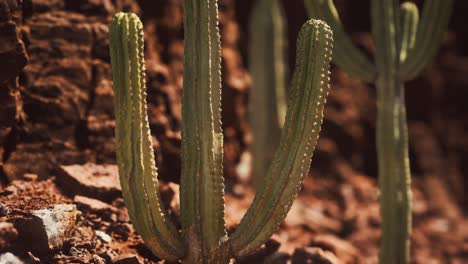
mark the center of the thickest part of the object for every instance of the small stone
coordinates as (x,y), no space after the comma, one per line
(90,180)
(8,258)
(103,236)
(126,259)
(314,255)
(46,229)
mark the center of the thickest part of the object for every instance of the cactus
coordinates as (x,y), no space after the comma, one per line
(267,66)
(203,236)
(403,46)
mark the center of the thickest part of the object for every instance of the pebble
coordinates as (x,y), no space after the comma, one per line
(103,236)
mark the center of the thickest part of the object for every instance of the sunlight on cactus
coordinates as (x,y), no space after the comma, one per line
(203,238)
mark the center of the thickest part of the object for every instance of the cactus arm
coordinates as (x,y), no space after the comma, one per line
(392,136)
(309,89)
(434,19)
(268,70)
(409,17)
(345,54)
(137,170)
(202,188)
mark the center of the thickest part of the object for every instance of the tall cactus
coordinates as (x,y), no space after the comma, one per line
(267,65)
(203,238)
(403,46)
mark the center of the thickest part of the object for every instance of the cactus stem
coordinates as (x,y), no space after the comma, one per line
(299,136)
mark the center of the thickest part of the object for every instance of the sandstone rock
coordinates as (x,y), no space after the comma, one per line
(93,204)
(91,180)
(12,51)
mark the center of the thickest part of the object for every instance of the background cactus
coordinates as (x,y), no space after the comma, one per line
(203,238)
(403,46)
(268,68)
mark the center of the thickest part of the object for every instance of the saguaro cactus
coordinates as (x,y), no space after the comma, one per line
(203,236)
(267,65)
(403,46)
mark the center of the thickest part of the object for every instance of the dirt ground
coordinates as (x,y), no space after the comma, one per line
(57,168)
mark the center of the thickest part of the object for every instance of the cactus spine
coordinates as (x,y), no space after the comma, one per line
(267,65)
(203,238)
(403,45)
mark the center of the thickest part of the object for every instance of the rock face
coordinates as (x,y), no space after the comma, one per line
(12,51)
(66,94)
(13,58)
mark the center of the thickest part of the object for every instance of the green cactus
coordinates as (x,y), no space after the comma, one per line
(203,237)
(267,66)
(403,46)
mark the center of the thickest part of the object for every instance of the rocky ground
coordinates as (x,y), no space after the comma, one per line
(60,200)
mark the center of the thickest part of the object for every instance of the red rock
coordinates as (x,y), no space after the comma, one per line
(90,180)
(93,204)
